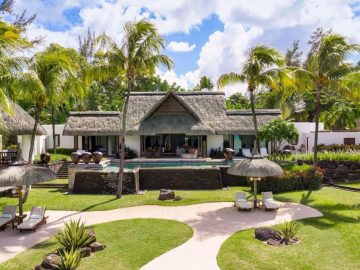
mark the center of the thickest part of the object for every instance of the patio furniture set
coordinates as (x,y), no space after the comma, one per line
(267,202)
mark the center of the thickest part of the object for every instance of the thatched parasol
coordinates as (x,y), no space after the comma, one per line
(23,174)
(255,167)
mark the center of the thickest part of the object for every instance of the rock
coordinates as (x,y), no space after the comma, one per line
(85,251)
(264,234)
(91,233)
(39,267)
(166,194)
(50,261)
(177,198)
(273,242)
(96,246)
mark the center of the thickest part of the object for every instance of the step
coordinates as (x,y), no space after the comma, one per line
(49,186)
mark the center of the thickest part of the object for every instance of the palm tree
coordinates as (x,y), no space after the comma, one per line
(263,67)
(11,41)
(205,83)
(327,69)
(138,55)
(51,74)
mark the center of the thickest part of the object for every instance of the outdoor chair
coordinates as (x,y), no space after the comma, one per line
(263,152)
(241,203)
(8,216)
(246,152)
(268,201)
(36,218)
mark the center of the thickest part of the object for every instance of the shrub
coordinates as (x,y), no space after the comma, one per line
(338,147)
(310,179)
(62,151)
(296,168)
(74,236)
(130,153)
(287,230)
(54,158)
(69,260)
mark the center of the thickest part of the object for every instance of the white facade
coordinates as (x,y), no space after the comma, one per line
(25,142)
(133,142)
(214,142)
(330,137)
(65,141)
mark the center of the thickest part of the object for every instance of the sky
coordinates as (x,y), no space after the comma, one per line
(203,37)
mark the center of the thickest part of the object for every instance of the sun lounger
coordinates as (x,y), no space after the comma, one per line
(36,218)
(246,152)
(8,216)
(241,203)
(263,152)
(268,201)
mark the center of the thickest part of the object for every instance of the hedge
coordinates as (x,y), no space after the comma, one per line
(294,180)
(338,147)
(61,151)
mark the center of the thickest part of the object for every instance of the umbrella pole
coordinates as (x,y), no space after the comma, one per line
(255,193)
(20,202)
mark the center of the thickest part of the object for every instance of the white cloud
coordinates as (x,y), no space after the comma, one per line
(181,46)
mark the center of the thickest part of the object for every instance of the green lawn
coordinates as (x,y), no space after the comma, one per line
(329,242)
(55,199)
(130,245)
(353,184)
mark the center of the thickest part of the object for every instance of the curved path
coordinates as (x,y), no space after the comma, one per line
(212,223)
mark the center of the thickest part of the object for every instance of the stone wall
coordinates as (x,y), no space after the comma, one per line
(231,180)
(95,182)
(55,167)
(180,178)
(340,171)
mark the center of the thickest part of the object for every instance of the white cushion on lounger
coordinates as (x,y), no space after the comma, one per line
(29,224)
(35,217)
(7,216)
(270,204)
(244,204)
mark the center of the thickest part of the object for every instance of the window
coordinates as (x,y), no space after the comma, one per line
(57,140)
(349,141)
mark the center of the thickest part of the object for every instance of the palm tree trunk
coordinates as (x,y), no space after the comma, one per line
(53,127)
(122,142)
(317,116)
(252,104)
(32,143)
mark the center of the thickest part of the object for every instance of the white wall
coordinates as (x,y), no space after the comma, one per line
(25,142)
(133,142)
(65,141)
(214,141)
(330,137)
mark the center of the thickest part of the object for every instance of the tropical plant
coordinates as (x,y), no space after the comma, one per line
(138,55)
(52,75)
(263,67)
(237,101)
(204,83)
(278,132)
(74,236)
(287,231)
(69,260)
(327,69)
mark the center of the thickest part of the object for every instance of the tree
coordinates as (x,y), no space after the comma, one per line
(279,132)
(237,101)
(293,55)
(204,83)
(138,55)
(263,67)
(51,75)
(327,70)
(343,114)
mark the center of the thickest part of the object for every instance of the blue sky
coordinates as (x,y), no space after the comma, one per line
(204,37)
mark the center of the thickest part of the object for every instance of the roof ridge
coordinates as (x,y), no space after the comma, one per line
(180,93)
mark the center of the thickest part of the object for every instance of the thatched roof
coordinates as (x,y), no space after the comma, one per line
(20,122)
(19,175)
(93,123)
(149,113)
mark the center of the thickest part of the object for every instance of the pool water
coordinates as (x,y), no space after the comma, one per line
(114,167)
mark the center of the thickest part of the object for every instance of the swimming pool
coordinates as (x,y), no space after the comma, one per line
(114,167)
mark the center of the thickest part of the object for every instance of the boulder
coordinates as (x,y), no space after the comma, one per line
(177,198)
(166,194)
(85,251)
(273,242)
(91,233)
(96,246)
(50,261)
(39,267)
(264,234)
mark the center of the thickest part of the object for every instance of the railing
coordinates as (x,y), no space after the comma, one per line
(7,157)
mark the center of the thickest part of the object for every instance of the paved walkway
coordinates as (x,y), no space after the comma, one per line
(212,223)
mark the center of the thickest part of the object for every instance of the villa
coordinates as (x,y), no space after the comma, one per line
(187,124)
